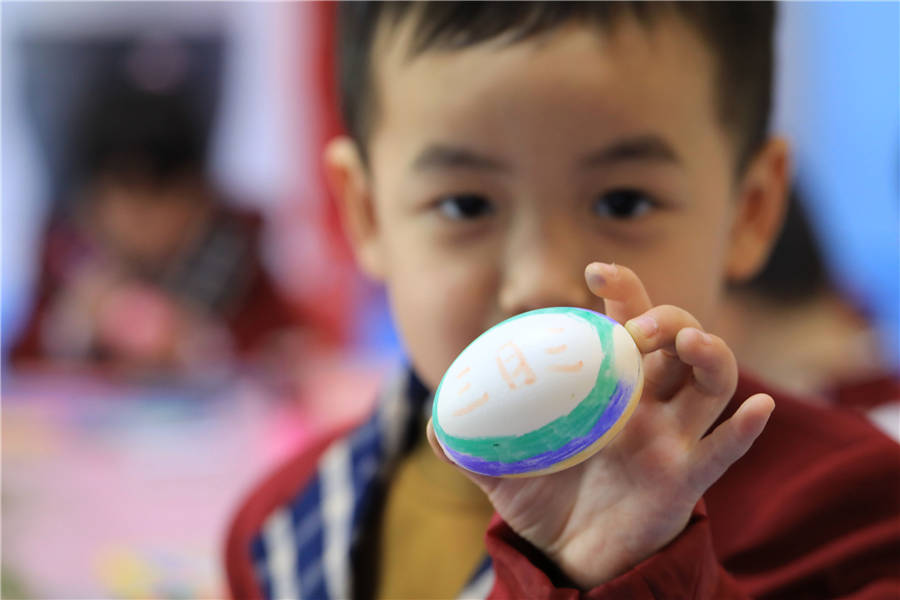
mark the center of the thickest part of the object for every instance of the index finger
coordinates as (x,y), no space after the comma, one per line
(623,293)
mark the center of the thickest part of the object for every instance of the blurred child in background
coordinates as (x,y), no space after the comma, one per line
(828,348)
(149,268)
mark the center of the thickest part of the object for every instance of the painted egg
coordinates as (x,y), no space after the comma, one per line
(537,393)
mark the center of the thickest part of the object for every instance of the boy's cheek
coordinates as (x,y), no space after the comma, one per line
(436,318)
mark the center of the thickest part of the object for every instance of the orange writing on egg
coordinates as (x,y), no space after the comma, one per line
(574,368)
(471,406)
(522,367)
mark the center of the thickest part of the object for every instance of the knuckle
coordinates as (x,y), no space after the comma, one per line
(677,316)
(666,308)
(626,273)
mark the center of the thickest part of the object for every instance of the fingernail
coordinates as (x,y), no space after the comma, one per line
(609,270)
(594,275)
(705,337)
(645,324)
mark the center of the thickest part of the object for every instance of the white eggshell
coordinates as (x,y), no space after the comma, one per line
(520,365)
(505,406)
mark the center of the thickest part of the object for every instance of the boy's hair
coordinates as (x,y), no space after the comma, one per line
(739,35)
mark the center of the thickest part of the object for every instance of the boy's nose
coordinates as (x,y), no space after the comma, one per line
(544,271)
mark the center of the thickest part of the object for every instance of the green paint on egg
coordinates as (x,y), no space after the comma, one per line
(555,434)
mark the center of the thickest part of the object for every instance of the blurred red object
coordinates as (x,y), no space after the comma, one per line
(319,273)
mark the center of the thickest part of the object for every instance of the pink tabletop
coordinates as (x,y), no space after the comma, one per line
(113,490)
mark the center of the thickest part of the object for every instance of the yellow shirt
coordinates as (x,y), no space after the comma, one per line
(433,529)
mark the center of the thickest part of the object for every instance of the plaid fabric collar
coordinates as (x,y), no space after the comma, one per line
(305,547)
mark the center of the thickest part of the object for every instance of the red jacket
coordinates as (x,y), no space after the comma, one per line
(811,511)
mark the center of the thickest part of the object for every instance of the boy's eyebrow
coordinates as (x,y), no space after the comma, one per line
(442,156)
(643,147)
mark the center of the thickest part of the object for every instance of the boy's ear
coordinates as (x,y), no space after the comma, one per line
(350,186)
(762,201)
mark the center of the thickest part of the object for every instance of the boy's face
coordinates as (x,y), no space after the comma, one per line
(497,173)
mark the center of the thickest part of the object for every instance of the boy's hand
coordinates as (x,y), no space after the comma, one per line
(598,519)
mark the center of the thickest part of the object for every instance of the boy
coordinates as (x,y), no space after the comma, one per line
(495,151)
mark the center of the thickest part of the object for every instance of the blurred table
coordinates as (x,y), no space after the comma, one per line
(115,490)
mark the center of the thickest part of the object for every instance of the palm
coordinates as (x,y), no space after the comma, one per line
(604,515)
(637,479)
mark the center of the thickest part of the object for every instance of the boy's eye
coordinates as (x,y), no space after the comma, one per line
(464,206)
(623,204)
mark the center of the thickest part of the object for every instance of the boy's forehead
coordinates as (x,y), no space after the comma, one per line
(615,76)
(396,43)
